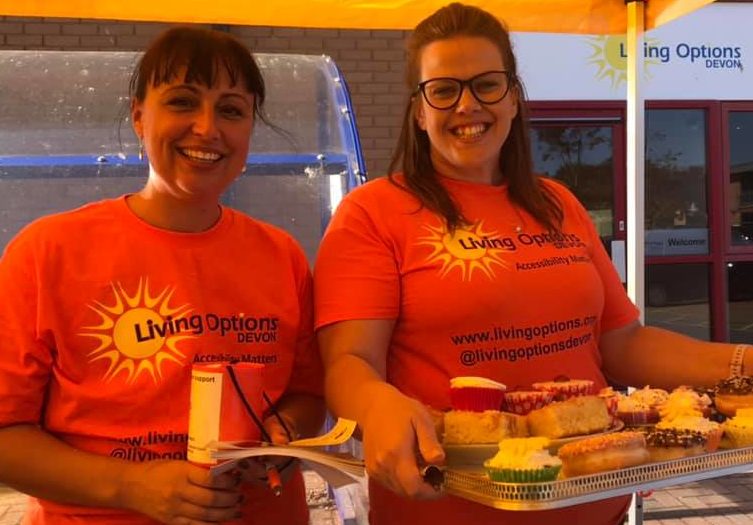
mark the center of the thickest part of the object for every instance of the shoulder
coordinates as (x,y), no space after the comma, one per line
(270,236)
(69,224)
(380,198)
(388,187)
(565,197)
(557,188)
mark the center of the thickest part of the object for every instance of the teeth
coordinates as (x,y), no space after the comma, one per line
(471,131)
(201,155)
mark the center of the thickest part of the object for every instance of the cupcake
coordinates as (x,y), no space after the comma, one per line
(711,430)
(566,388)
(665,444)
(475,394)
(641,407)
(523,460)
(739,429)
(684,401)
(633,412)
(733,393)
(523,401)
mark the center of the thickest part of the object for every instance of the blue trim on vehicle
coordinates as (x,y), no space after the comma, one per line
(132,160)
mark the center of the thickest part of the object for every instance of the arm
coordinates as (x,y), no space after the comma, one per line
(303,415)
(396,428)
(36,463)
(636,355)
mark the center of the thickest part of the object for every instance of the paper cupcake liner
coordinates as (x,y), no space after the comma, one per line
(475,399)
(645,417)
(713,438)
(563,391)
(522,403)
(508,475)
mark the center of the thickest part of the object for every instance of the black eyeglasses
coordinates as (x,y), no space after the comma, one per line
(488,88)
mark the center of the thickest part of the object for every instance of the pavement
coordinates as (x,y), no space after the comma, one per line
(721,501)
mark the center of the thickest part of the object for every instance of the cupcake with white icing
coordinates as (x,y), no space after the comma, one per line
(475,394)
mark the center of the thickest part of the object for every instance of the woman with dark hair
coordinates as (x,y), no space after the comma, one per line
(464,263)
(107,308)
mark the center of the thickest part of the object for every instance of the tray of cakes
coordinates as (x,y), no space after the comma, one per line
(568,446)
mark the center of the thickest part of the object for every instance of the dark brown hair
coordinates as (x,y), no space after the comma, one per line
(202,52)
(412,153)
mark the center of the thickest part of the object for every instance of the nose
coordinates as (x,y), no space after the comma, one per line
(205,122)
(467,100)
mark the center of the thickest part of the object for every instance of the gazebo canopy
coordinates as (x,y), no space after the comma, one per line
(555,16)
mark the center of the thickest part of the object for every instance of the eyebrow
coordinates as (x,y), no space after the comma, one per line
(195,90)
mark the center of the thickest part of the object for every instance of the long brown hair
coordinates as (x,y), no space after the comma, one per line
(411,155)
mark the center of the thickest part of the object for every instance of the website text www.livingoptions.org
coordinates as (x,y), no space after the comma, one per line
(506,333)
(476,356)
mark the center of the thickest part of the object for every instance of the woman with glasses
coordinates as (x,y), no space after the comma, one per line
(464,263)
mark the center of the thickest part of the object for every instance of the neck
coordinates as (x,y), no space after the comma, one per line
(482,174)
(475,176)
(168,213)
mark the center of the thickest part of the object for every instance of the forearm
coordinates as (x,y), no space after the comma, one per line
(38,464)
(664,359)
(352,385)
(305,411)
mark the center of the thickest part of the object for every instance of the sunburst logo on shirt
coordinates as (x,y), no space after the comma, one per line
(137,332)
(468,249)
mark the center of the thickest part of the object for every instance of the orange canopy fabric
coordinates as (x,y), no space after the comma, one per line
(556,16)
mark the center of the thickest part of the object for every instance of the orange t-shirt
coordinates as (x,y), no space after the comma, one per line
(103,317)
(501,299)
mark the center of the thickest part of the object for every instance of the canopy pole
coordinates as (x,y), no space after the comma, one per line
(635,156)
(636,196)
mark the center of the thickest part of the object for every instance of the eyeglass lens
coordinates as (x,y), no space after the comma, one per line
(444,93)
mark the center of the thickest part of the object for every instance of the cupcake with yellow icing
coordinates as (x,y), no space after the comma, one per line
(683,410)
(683,401)
(523,460)
(739,429)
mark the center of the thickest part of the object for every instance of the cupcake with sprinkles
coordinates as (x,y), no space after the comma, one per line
(733,393)
(666,444)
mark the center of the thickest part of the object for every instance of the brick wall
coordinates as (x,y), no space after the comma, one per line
(372,62)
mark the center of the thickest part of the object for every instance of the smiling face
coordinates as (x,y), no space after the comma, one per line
(466,139)
(196,137)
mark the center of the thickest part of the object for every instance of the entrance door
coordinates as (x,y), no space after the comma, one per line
(738,223)
(584,149)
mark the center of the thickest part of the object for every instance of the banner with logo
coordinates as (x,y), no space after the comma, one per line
(705,55)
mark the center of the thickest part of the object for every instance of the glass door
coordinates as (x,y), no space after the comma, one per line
(738,224)
(584,149)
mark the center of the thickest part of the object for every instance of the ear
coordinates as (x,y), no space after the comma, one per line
(136,118)
(515,94)
(420,114)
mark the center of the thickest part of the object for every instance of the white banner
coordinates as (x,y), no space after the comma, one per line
(705,55)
